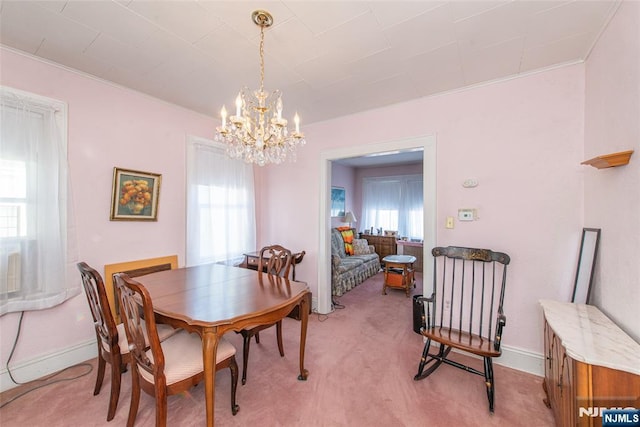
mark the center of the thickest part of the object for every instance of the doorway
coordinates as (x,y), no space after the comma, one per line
(428,144)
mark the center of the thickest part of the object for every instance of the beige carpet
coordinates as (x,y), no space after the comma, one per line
(361,362)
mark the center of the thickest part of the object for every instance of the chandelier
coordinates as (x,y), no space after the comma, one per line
(257,133)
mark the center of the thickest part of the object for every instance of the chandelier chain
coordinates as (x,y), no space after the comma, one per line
(261,58)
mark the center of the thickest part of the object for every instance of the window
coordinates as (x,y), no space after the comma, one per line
(36,257)
(394,203)
(13,198)
(220,205)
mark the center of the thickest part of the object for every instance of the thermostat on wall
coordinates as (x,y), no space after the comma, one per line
(466,214)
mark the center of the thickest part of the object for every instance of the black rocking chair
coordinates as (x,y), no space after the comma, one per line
(465,309)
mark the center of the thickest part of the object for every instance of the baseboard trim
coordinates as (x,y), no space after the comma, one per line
(47,364)
(522,360)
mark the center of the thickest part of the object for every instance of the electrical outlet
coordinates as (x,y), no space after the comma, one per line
(447,304)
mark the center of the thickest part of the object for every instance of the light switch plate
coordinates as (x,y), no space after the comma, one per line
(449,223)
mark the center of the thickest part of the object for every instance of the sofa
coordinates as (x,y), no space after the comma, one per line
(349,270)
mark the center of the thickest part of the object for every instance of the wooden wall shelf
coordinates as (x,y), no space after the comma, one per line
(609,160)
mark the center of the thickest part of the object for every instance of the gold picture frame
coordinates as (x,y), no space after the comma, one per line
(135,195)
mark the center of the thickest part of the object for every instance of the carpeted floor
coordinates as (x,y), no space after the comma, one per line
(361,361)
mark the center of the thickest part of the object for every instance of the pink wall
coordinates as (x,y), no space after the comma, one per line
(522,139)
(612,196)
(108,126)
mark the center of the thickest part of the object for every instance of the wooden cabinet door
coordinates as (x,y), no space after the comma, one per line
(566,392)
(548,381)
(557,354)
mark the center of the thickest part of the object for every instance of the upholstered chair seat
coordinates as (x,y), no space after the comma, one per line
(183,356)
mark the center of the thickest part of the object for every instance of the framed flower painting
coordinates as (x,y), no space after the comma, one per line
(135,195)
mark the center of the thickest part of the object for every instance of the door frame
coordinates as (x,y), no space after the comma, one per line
(428,144)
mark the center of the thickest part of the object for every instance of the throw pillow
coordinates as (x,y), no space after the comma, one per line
(347,236)
(360,246)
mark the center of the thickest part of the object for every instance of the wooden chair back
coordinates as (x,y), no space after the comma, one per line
(107,336)
(136,311)
(105,325)
(468,293)
(276,260)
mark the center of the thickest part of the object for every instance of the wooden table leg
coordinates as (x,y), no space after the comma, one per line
(409,278)
(384,279)
(304,318)
(209,350)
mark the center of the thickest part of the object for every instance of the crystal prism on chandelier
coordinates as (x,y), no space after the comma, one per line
(257,133)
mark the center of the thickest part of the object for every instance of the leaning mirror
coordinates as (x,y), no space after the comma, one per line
(586,265)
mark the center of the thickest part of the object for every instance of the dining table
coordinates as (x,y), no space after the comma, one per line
(213,299)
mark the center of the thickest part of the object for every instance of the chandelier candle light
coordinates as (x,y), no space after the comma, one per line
(257,133)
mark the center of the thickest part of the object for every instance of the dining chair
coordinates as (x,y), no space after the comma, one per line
(113,347)
(169,367)
(275,260)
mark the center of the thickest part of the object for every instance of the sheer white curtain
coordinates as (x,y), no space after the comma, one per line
(394,203)
(381,203)
(220,204)
(37,248)
(413,224)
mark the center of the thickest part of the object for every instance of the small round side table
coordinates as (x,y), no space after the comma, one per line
(398,273)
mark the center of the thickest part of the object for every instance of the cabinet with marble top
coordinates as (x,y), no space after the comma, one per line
(590,364)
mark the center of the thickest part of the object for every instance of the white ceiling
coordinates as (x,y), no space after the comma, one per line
(330,58)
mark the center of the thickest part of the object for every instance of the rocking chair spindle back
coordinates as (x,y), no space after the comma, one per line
(468,291)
